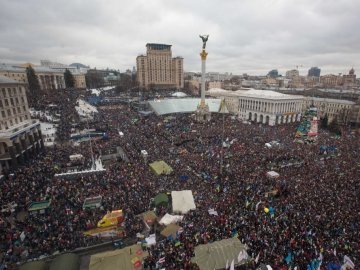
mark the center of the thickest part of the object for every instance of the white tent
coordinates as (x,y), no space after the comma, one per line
(182,201)
(168,219)
(272,174)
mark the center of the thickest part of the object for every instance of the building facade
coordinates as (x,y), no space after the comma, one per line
(314,72)
(48,78)
(331,107)
(20,137)
(292,73)
(158,69)
(261,106)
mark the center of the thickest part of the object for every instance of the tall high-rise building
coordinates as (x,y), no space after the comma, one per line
(158,69)
(314,72)
(20,136)
(273,73)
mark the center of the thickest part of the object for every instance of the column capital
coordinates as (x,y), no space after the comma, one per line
(203,55)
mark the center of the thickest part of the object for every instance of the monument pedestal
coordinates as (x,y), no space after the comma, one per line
(203,113)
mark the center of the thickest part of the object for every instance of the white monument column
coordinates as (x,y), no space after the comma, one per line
(203,112)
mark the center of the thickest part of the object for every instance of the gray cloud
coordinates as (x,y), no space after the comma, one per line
(250,36)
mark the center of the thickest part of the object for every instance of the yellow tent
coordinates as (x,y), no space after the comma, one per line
(161,167)
(129,258)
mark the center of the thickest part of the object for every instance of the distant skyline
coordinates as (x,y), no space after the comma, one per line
(248,36)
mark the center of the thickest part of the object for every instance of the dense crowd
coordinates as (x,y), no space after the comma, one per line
(316,210)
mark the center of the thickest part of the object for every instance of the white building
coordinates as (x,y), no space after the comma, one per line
(261,106)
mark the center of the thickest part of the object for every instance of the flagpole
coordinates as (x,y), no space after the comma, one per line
(222,143)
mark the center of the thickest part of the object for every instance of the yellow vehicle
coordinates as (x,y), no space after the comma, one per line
(112,218)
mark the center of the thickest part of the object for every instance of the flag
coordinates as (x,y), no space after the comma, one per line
(242,255)
(227,264)
(288,258)
(257,258)
(232,266)
(348,264)
(161,260)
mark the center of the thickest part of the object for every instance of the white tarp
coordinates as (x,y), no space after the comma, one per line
(151,240)
(182,201)
(272,174)
(168,219)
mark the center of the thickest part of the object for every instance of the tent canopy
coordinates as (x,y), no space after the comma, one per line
(128,258)
(68,261)
(168,219)
(161,198)
(182,201)
(161,167)
(272,174)
(170,229)
(37,265)
(216,254)
(149,217)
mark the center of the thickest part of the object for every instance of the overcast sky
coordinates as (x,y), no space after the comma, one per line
(246,36)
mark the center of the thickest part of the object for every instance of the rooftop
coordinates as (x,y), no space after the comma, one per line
(158,46)
(6,80)
(253,93)
(182,105)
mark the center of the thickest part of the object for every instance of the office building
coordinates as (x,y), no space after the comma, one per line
(314,72)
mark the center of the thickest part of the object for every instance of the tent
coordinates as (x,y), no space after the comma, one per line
(92,202)
(216,254)
(161,167)
(161,198)
(168,219)
(272,174)
(39,207)
(68,261)
(128,258)
(182,201)
(149,217)
(170,230)
(36,265)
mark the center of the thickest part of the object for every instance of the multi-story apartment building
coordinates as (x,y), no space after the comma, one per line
(292,73)
(158,69)
(20,137)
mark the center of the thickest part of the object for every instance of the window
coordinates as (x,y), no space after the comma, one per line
(3,114)
(14,110)
(1,104)
(3,92)
(9,112)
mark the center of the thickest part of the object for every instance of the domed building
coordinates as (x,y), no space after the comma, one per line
(350,79)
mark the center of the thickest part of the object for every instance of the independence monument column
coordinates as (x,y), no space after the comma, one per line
(202,112)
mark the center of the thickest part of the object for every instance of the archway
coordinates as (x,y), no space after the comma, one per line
(255,117)
(277,120)
(261,118)
(267,119)
(282,120)
(287,119)
(250,116)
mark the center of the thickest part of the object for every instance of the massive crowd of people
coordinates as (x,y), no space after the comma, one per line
(316,210)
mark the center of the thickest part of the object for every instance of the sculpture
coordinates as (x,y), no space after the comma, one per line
(204,39)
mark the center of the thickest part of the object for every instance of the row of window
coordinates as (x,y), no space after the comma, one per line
(13,102)
(12,112)
(13,121)
(14,91)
